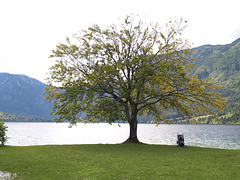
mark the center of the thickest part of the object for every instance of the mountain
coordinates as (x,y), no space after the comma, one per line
(221,63)
(22,95)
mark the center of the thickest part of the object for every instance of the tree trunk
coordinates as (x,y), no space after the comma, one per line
(133,130)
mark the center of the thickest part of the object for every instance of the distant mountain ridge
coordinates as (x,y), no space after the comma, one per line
(22,95)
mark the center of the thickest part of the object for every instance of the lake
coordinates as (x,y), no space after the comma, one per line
(213,136)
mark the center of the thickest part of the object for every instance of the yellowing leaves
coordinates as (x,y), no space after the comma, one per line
(110,72)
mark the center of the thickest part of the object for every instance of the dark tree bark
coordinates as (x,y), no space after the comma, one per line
(133,129)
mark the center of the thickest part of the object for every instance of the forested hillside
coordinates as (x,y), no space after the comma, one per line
(221,63)
(6,117)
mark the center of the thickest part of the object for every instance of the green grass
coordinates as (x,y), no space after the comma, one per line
(121,161)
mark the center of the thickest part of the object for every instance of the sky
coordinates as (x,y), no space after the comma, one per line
(31,29)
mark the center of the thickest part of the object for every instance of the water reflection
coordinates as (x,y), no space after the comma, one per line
(215,136)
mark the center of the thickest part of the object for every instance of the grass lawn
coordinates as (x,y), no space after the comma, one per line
(121,161)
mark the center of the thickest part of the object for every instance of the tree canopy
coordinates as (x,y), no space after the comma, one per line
(118,73)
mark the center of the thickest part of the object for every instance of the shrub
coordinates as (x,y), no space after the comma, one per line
(3,137)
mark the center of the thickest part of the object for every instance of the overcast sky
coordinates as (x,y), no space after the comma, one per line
(30,29)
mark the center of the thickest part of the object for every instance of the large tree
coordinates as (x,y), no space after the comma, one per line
(121,72)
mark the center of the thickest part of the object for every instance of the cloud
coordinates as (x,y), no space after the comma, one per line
(235,34)
(31,29)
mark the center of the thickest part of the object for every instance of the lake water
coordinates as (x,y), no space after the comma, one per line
(214,136)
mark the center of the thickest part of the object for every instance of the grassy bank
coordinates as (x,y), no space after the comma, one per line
(123,161)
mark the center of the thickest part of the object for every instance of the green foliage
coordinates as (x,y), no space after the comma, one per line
(118,74)
(3,129)
(122,161)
